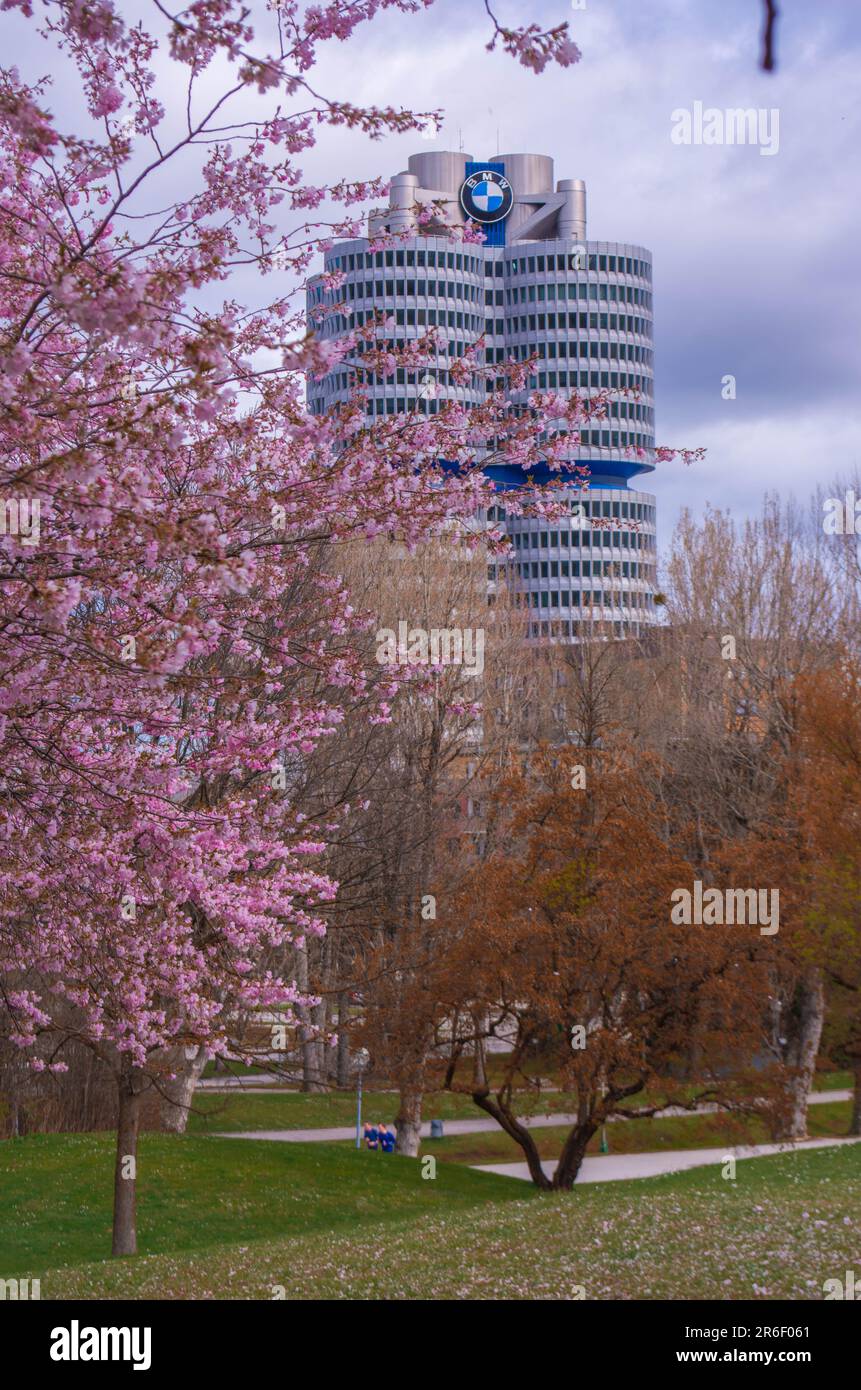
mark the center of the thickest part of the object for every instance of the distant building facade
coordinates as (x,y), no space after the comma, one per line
(536,286)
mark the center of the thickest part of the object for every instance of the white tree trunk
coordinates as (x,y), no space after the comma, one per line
(408,1123)
(803,1050)
(342,1075)
(313,1072)
(179,1093)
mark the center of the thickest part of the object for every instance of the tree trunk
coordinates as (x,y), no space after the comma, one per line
(573,1153)
(179,1092)
(479,1065)
(319,1070)
(313,1078)
(519,1133)
(342,1074)
(408,1122)
(855,1122)
(85,1096)
(125,1239)
(802,1051)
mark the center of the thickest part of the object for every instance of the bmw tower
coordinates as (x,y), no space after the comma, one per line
(535,287)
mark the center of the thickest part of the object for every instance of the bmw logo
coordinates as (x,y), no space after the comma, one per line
(486,196)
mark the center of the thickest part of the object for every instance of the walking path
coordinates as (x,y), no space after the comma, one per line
(615,1167)
(273,1085)
(313,1136)
(255,1085)
(478,1126)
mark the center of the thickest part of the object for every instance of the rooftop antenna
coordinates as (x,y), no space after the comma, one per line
(460,139)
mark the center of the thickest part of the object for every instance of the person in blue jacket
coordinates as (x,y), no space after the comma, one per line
(371,1136)
(387,1140)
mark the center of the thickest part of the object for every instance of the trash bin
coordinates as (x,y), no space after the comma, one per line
(436,1129)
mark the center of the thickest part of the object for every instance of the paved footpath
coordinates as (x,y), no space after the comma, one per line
(476,1126)
(257,1085)
(615,1167)
(313,1136)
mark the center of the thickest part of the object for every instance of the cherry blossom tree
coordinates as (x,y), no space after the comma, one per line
(172,639)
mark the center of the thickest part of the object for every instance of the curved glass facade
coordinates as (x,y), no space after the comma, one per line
(590,574)
(584,311)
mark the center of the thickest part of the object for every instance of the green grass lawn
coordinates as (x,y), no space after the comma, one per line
(785,1225)
(636,1136)
(55,1194)
(233,1069)
(833,1081)
(295,1110)
(533,1067)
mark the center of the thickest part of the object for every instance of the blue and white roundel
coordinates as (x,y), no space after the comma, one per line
(486,196)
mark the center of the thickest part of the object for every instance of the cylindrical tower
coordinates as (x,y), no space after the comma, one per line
(572,216)
(535,289)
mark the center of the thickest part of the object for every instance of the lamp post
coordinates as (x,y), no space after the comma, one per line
(360,1061)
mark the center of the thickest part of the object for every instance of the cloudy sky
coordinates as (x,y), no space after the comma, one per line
(756,257)
(756,263)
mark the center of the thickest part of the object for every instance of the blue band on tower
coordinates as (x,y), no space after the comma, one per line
(494,231)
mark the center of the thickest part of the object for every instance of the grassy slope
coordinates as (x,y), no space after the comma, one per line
(55,1194)
(833,1081)
(235,1113)
(637,1136)
(293,1110)
(783,1227)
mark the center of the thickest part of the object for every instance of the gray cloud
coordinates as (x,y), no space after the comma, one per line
(755,257)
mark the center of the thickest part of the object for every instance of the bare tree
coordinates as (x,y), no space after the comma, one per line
(753,608)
